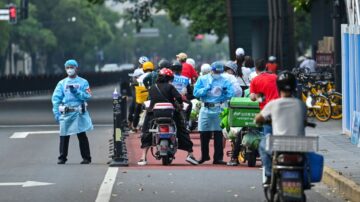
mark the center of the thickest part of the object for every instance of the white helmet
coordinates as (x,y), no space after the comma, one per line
(191,61)
(205,68)
(272,58)
(143,59)
(239,51)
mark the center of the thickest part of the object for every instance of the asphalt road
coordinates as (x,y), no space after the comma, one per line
(34,158)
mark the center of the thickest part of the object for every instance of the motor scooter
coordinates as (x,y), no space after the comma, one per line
(164,133)
(294,167)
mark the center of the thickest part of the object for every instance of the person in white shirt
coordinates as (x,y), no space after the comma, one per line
(308,64)
(230,68)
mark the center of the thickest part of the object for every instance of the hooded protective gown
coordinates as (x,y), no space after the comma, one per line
(75,122)
(215,91)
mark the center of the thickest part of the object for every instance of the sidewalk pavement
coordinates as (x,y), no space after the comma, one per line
(342,159)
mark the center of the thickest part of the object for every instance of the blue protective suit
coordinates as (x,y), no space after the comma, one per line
(215,91)
(75,122)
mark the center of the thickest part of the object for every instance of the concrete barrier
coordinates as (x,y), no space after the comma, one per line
(342,185)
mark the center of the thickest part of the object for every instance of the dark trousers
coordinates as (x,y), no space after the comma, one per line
(83,143)
(137,112)
(131,111)
(237,146)
(188,111)
(184,141)
(205,137)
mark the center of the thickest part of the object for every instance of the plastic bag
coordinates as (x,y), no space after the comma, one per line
(251,140)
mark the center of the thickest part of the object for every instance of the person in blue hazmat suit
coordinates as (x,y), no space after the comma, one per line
(213,90)
(70,111)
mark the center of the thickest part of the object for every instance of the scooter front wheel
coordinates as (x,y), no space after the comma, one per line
(166,160)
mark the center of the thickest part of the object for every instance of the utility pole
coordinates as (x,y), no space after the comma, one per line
(337,43)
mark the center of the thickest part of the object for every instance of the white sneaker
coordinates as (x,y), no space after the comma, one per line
(192,160)
(142,162)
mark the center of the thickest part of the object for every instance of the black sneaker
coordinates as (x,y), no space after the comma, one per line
(85,161)
(221,162)
(192,160)
(61,161)
(203,160)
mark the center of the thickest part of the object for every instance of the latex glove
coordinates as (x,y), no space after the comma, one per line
(73,90)
(57,118)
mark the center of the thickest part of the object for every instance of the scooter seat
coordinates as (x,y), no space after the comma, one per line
(163,120)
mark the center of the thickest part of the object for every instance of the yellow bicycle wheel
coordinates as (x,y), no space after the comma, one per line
(241,157)
(322,108)
(336,105)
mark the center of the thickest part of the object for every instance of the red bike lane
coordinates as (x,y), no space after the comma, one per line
(134,153)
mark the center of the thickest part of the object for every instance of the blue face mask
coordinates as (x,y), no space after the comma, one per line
(216,76)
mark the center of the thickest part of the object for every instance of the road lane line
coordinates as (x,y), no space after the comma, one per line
(49,125)
(107,185)
(18,135)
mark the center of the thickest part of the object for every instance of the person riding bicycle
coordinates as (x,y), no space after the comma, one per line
(163,91)
(287,115)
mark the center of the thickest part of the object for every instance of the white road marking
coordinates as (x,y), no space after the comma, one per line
(49,125)
(25,184)
(18,135)
(106,187)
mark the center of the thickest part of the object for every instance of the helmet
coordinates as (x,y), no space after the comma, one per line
(286,81)
(217,67)
(148,66)
(205,68)
(176,66)
(181,57)
(143,59)
(71,62)
(272,58)
(166,72)
(239,51)
(164,64)
(191,61)
(231,65)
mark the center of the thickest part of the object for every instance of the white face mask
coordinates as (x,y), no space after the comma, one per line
(216,76)
(70,72)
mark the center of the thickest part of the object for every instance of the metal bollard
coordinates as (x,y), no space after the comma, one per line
(124,108)
(119,156)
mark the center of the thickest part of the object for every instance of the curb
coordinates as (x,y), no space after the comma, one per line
(344,186)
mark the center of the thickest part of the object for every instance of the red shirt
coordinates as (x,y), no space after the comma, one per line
(271,67)
(265,84)
(189,72)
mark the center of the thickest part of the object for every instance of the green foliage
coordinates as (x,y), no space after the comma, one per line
(301,5)
(205,16)
(4,34)
(302,31)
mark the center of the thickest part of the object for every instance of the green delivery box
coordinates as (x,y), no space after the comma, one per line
(242,112)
